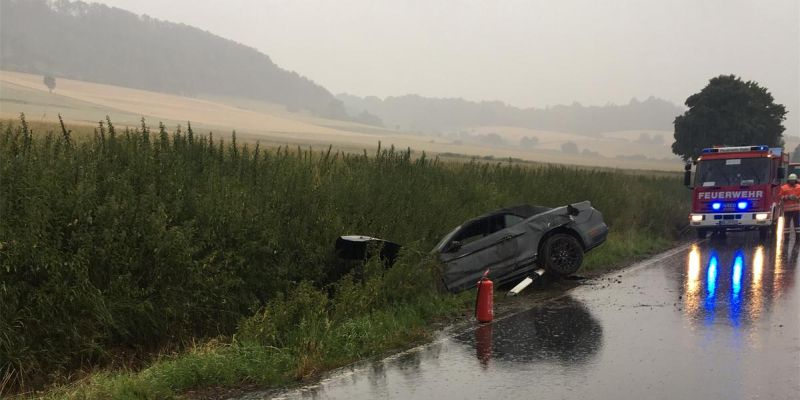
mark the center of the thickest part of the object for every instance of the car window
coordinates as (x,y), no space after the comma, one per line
(496,223)
(511,220)
(485,227)
(472,231)
(481,228)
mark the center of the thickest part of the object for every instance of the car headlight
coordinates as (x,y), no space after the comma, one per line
(762,216)
(697,217)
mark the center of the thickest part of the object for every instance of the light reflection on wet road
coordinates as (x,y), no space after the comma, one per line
(719,319)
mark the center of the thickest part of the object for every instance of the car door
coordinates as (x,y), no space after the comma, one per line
(485,244)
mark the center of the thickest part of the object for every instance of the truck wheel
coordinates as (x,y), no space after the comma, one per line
(763,232)
(562,254)
(701,233)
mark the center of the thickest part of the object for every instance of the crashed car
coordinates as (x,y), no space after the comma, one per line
(513,242)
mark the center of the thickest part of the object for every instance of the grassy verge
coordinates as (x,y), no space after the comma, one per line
(236,363)
(129,242)
(244,361)
(624,247)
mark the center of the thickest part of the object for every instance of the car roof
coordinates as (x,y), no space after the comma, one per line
(524,211)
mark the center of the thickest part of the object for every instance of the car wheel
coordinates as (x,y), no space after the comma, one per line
(562,254)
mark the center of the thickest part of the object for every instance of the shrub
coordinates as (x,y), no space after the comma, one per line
(134,241)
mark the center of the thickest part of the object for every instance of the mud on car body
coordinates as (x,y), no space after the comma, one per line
(513,242)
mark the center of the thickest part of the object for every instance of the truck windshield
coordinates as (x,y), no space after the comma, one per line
(733,172)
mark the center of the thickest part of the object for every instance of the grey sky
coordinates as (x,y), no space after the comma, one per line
(526,53)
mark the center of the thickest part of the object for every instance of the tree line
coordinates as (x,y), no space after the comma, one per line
(438,115)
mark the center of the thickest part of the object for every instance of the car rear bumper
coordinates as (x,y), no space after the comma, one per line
(598,236)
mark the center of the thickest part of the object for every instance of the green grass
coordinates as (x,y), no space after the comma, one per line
(245,360)
(248,361)
(127,245)
(624,246)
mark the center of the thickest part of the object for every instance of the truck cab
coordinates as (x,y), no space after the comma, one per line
(736,188)
(794,168)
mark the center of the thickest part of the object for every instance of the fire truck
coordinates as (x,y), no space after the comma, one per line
(736,188)
(794,168)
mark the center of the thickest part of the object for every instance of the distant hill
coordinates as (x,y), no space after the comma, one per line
(97,43)
(432,115)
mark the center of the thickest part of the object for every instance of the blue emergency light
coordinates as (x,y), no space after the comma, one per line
(742,205)
(716,206)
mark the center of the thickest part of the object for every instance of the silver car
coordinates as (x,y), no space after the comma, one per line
(513,242)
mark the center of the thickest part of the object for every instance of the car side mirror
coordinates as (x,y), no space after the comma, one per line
(781,173)
(454,246)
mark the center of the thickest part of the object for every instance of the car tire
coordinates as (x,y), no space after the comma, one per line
(562,254)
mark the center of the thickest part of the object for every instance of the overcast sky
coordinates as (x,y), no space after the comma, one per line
(526,53)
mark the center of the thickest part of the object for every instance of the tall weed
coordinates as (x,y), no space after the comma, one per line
(134,240)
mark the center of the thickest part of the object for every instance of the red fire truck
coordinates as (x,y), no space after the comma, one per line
(736,188)
(794,168)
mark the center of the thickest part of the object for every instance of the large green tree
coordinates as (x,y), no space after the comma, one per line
(728,111)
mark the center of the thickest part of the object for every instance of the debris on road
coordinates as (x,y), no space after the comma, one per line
(525,283)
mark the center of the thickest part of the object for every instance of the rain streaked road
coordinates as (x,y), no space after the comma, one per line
(714,320)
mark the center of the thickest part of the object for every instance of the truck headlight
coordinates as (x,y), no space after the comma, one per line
(762,216)
(697,217)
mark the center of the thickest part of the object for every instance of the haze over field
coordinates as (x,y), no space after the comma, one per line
(526,53)
(86,103)
(577,82)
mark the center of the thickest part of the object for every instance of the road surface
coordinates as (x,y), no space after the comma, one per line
(713,320)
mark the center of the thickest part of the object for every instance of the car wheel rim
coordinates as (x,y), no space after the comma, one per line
(563,255)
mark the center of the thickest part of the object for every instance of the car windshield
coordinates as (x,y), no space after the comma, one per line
(446,239)
(733,172)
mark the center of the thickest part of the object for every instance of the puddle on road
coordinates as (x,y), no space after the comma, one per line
(562,331)
(737,281)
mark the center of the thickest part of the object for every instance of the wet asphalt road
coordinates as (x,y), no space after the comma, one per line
(715,320)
